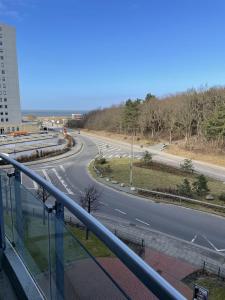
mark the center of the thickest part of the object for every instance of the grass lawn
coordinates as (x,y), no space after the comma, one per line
(213,158)
(36,245)
(93,244)
(215,286)
(159,177)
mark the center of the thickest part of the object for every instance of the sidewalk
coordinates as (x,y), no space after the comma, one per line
(170,268)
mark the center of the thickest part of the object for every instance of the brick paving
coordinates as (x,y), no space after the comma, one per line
(172,269)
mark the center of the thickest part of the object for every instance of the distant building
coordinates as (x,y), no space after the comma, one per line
(77,117)
(10,111)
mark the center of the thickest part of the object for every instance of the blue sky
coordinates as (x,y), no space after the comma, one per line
(83,54)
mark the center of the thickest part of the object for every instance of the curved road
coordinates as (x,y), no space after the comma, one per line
(71,176)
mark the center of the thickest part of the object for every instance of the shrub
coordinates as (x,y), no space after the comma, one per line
(101,160)
(187,166)
(184,188)
(200,186)
(147,158)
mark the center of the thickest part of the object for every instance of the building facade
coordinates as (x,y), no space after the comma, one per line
(10,110)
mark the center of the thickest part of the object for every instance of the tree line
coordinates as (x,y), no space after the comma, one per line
(194,114)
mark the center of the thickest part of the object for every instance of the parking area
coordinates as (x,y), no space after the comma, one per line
(25,144)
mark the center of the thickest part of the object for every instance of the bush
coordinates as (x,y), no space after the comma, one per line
(147,158)
(101,160)
(187,166)
(222,196)
(200,186)
(184,189)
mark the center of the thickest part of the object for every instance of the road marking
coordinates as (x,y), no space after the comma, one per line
(62,168)
(194,238)
(63,182)
(105,204)
(35,185)
(142,222)
(120,211)
(46,175)
(213,246)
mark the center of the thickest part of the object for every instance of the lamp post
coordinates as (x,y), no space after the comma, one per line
(131,158)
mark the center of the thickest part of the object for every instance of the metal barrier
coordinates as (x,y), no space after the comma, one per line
(149,277)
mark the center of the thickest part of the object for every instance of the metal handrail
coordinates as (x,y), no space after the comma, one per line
(147,275)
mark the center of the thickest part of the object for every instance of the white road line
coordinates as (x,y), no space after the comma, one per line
(120,211)
(142,222)
(211,244)
(194,238)
(62,168)
(63,182)
(46,175)
(35,185)
(105,204)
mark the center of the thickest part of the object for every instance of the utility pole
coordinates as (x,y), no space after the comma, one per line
(131,158)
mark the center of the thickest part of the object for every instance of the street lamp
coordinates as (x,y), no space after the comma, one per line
(131,158)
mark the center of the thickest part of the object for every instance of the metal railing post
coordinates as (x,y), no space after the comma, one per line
(59,249)
(18,211)
(2,228)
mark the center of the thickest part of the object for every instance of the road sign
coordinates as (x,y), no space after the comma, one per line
(200,293)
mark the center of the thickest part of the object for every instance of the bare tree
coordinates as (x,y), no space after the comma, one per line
(89,200)
(43,195)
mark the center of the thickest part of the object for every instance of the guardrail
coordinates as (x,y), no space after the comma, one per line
(148,276)
(181,198)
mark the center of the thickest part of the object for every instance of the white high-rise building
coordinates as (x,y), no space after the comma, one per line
(10,111)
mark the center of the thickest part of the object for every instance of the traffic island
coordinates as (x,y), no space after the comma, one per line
(162,183)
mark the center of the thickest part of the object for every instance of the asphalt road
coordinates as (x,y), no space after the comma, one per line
(71,176)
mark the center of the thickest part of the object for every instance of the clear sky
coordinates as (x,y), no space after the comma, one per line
(83,54)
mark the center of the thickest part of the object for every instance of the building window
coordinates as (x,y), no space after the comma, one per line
(1,43)
(1,113)
(2,65)
(4,85)
(2,120)
(6,119)
(0,99)
(3,72)
(6,106)
(4,92)
(5,99)
(0,92)
(3,78)
(1,57)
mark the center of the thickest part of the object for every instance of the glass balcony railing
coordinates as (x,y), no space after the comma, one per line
(64,262)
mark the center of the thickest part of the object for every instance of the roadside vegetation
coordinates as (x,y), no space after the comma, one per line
(151,175)
(193,122)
